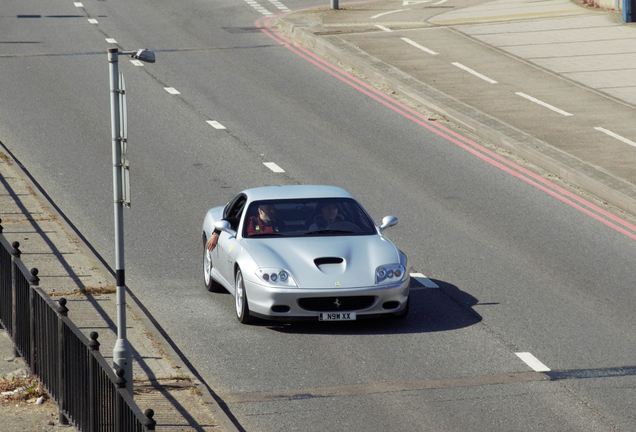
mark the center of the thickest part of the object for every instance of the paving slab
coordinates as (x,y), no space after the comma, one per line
(552,82)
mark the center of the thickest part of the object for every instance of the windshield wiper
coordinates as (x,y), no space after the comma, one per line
(329,231)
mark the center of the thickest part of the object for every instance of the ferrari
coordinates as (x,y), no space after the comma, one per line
(304,253)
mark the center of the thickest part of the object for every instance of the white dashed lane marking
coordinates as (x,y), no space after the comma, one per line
(423,280)
(477,74)
(532,361)
(280,6)
(416,45)
(137,62)
(615,135)
(92,21)
(274,167)
(263,10)
(548,106)
(172,90)
(78,4)
(215,124)
(111,40)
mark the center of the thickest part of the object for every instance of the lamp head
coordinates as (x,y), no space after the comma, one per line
(144,55)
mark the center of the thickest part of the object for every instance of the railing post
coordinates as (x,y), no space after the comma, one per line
(149,423)
(15,253)
(62,311)
(119,400)
(93,346)
(35,281)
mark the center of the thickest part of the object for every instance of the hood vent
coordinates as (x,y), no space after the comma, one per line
(328,260)
(331,265)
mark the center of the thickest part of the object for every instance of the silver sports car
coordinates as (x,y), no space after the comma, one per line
(304,252)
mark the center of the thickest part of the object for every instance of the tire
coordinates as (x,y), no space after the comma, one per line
(403,314)
(210,284)
(240,296)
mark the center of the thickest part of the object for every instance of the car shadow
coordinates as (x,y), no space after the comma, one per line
(431,310)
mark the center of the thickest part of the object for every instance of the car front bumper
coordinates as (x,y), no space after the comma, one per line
(294,303)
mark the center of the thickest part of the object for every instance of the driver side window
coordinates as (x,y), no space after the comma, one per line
(234,210)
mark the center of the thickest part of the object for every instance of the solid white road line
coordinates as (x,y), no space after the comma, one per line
(386,13)
(215,124)
(537,101)
(424,280)
(532,361)
(274,167)
(416,45)
(617,136)
(172,90)
(381,27)
(477,74)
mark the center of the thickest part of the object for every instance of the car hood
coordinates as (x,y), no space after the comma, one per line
(325,262)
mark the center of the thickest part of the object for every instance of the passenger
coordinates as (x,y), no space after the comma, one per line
(214,238)
(266,222)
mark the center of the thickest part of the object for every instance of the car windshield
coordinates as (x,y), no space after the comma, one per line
(306,217)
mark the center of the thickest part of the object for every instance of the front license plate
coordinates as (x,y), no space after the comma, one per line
(337,316)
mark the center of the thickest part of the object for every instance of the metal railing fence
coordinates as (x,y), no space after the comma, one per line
(6,290)
(88,393)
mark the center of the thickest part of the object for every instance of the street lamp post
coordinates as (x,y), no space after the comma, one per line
(122,352)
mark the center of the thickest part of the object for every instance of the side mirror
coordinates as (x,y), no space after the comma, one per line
(226,227)
(388,221)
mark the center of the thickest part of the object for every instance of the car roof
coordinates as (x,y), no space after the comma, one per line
(295,191)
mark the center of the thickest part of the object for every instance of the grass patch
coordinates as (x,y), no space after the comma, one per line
(27,388)
(93,291)
(5,158)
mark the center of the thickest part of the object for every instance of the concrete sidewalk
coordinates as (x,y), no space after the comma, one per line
(553,82)
(162,381)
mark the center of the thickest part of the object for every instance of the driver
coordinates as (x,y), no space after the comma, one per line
(329,214)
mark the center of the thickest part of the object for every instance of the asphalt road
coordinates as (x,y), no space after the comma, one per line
(520,268)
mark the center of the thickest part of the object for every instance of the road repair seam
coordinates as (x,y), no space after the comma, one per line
(383,387)
(434,384)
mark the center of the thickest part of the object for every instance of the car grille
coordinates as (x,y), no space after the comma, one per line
(329,304)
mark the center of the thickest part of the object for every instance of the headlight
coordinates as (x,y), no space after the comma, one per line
(389,274)
(276,277)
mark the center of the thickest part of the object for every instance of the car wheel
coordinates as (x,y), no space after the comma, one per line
(210,284)
(401,315)
(242,307)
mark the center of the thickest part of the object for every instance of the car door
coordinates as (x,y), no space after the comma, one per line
(230,248)
(226,245)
